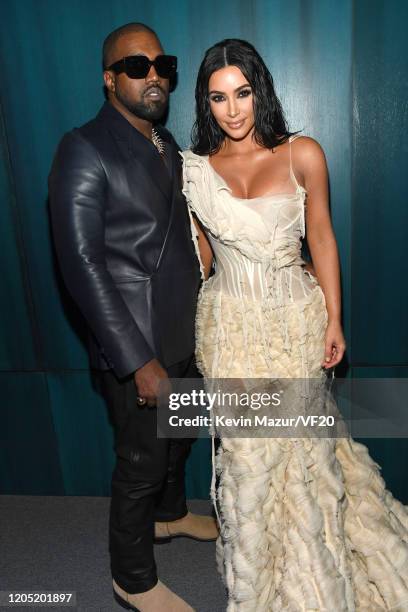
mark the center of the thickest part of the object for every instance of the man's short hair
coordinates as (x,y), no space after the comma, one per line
(112,38)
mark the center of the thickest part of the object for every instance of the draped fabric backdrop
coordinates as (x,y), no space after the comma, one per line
(340,69)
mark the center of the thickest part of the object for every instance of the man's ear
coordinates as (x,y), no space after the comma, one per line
(109,79)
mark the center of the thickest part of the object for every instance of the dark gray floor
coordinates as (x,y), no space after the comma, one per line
(60,544)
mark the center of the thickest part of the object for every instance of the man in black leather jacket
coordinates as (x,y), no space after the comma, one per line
(123,240)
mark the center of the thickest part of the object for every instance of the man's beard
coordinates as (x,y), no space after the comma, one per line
(149,111)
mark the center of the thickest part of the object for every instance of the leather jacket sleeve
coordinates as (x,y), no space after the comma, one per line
(77,185)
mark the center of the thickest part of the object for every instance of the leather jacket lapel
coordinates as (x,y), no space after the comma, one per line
(138,147)
(175,165)
(163,177)
(147,155)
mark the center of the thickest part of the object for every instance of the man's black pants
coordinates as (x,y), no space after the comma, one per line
(147,481)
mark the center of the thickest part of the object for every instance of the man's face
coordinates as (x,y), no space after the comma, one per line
(146,98)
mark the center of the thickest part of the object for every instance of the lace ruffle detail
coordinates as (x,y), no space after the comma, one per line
(238,338)
(309,525)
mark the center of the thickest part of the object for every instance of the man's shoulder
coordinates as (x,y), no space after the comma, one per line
(94,130)
(88,129)
(91,136)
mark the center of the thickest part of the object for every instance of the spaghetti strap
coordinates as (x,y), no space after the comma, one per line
(291,173)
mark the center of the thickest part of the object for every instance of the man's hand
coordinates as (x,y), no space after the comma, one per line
(147,381)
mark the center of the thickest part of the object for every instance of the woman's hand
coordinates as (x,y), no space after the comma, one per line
(335,345)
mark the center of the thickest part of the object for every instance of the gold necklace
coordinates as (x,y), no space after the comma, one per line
(158,142)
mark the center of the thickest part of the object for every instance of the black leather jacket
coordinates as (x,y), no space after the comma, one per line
(123,240)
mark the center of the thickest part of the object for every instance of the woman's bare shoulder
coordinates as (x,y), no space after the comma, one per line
(306,151)
(307,145)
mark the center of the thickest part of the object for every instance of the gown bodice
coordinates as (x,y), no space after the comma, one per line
(256,242)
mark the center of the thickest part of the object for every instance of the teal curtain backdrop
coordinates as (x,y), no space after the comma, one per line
(341,71)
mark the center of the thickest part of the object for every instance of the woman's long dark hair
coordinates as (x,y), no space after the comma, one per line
(270,125)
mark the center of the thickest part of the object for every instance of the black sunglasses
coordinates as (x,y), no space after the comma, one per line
(138,66)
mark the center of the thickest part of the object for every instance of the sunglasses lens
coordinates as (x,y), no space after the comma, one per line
(166,66)
(137,66)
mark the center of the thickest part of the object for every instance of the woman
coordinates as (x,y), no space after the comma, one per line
(306,523)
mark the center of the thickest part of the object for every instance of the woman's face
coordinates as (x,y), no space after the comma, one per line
(231,102)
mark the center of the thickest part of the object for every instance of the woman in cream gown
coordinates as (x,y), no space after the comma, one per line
(306,523)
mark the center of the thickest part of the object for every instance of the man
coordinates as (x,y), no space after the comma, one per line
(123,240)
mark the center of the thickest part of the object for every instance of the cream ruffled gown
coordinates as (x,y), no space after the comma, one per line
(306,524)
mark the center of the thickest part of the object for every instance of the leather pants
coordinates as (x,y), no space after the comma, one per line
(147,481)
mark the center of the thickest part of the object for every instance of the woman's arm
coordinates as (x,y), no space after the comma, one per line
(206,254)
(310,162)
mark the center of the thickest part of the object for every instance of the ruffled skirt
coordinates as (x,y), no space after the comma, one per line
(306,523)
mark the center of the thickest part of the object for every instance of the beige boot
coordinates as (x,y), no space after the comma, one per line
(157,599)
(195,526)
